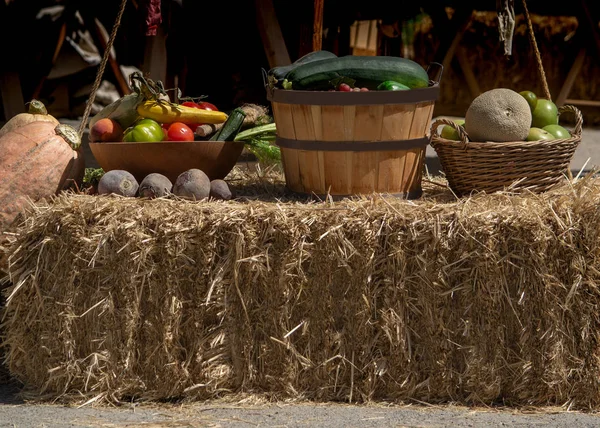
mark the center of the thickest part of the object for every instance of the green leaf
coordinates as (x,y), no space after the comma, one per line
(92,176)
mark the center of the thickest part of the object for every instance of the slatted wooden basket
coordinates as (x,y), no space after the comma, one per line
(490,166)
(341,144)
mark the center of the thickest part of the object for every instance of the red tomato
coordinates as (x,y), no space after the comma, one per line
(190,104)
(179,131)
(202,105)
(207,106)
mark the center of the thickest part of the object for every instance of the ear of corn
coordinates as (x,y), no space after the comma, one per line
(122,110)
(166,112)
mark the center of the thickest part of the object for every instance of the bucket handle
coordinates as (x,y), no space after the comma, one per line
(438,74)
(265,77)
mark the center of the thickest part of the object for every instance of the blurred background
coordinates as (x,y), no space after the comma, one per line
(52,49)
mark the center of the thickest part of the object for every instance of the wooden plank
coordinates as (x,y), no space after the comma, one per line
(336,165)
(270,33)
(61,38)
(318,25)
(463,61)
(155,56)
(11,94)
(571,76)
(450,31)
(368,121)
(310,163)
(101,36)
(585,103)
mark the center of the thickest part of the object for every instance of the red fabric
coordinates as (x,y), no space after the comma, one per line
(152,16)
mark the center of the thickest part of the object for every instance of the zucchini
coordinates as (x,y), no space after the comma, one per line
(231,127)
(390,85)
(277,74)
(366,71)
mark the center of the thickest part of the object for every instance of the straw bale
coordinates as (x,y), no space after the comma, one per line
(486,299)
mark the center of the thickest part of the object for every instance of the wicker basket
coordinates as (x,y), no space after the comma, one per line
(536,166)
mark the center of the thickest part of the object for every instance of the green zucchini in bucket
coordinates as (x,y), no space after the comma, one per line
(366,71)
(277,74)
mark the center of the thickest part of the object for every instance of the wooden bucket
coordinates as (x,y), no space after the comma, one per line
(354,143)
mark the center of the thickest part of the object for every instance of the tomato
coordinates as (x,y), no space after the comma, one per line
(202,105)
(179,131)
(207,106)
(190,104)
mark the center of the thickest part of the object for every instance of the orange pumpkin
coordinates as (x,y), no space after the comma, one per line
(37,161)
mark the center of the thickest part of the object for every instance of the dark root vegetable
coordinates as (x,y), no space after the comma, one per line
(155,185)
(119,182)
(219,189)
(192,184)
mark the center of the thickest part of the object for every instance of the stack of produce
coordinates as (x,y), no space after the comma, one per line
(504,115)
(507,140)
(324,71)
(149,116)
(192,184)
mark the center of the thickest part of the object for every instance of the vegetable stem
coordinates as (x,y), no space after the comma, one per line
(248,134)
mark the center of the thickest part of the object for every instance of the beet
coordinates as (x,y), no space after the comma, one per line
(192,184)
(219,189)
(155,185)
(119,182)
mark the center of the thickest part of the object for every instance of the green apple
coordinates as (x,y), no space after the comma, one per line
(558,131)
(537,134)
(545,113)
(531,99)
(449,133)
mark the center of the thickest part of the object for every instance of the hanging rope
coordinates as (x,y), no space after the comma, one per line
(100,73)
(537,53)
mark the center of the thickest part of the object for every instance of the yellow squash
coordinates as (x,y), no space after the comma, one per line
(166,112)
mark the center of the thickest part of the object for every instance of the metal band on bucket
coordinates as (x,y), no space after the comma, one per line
(326,98)
(352,146)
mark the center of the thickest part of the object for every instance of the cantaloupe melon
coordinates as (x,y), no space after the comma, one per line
(500,115)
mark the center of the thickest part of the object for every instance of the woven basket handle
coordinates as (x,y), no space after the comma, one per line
(461,131)
(578,117)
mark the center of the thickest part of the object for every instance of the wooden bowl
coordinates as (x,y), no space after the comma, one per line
(170,158)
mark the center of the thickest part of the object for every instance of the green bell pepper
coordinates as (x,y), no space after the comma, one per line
(390,85)
(144,131)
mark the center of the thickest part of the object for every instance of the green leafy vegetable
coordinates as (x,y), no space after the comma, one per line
(92,176)
(258,141)
(264,151)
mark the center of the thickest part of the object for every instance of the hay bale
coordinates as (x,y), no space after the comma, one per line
(479,300)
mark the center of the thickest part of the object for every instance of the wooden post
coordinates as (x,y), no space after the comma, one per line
(155,56)
(317,39)
(271,35)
